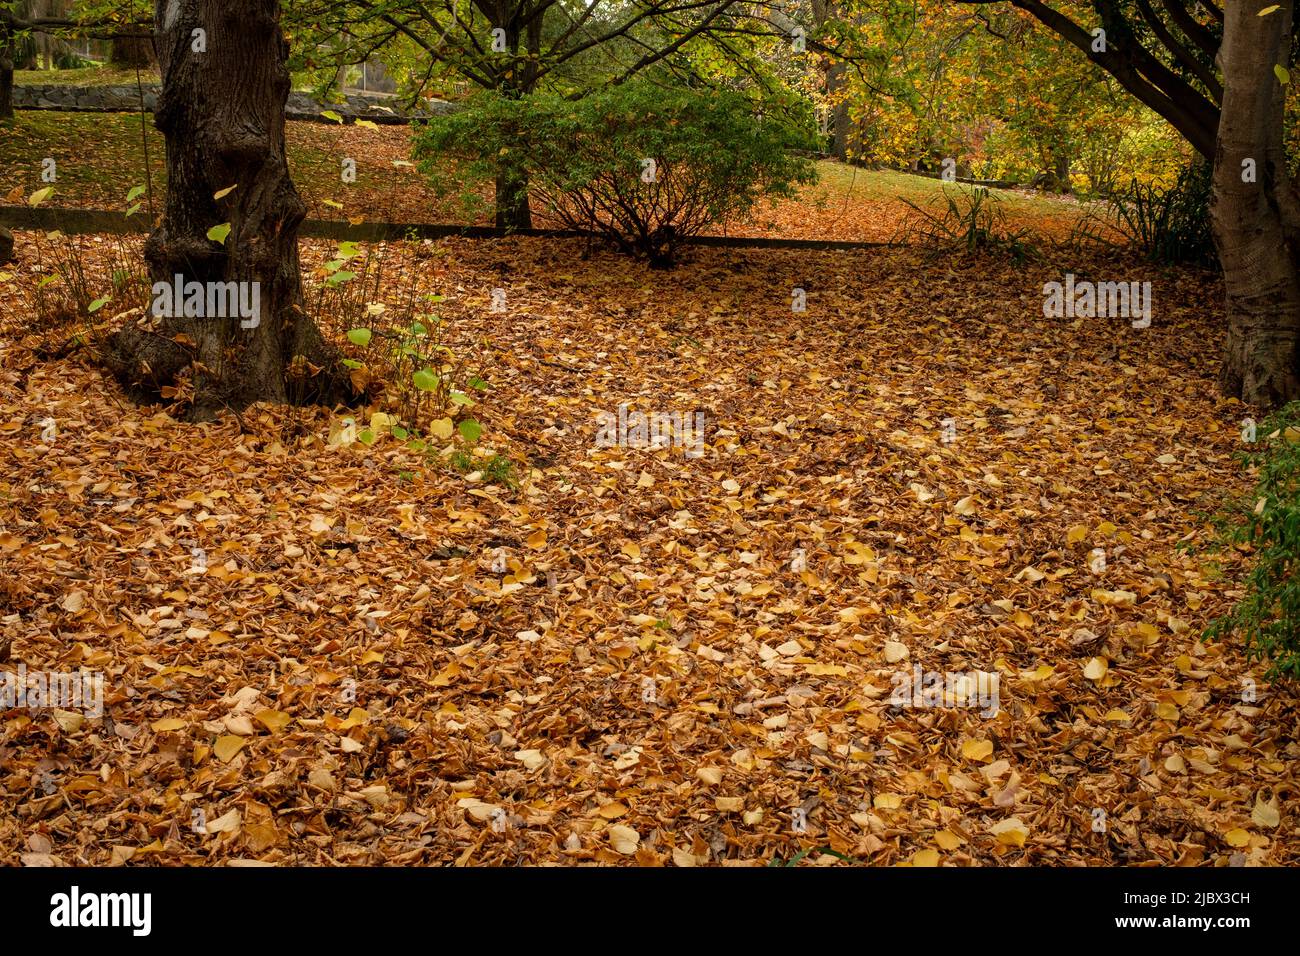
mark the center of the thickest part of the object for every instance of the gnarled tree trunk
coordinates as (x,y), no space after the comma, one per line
(1255,211)
(221,110)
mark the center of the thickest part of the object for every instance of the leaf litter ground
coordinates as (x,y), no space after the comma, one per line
(354,678)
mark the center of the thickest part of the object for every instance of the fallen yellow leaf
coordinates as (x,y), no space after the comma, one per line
(273,720)
(1010,832)
(1237,837)
(977,749)
(624,839)
(227,746)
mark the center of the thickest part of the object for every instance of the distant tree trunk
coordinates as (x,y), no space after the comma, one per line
(222,114)
(839,111)
(26,54)
(833,84)
(131,52)
(512,209)
(1255,212)
(1061,172)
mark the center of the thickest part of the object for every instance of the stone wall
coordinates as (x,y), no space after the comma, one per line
(126,99)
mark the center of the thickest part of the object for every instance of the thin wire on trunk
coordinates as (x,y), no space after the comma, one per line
(144,140)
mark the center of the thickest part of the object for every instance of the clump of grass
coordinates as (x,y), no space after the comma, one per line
(970,221)
(495,470)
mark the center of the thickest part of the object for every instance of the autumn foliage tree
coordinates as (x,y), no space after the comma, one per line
(1219,76)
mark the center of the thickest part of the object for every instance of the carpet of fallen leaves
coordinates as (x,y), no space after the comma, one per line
(354,679)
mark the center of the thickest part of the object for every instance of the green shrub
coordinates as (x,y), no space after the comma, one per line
(643,165)
(396,346)
(1170,226)
(1267,524)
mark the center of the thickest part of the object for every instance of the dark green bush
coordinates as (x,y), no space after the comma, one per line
(1171,226)
(1267,524)
(585,162)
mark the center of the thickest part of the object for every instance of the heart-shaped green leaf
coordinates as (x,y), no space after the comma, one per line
(470,430)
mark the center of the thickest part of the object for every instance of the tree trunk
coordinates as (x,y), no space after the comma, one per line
(131,52)
(6,74)
(1256,218)
(222,114)
(512,209)
(839,111)
(833,84)
(1061,172)
(6,246)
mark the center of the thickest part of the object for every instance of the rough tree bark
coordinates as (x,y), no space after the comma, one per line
(1256,218)
(131,51)
(6,73)
(222,114)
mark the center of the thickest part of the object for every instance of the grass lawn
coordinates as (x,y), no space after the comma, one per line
(847,204)
(85,76)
